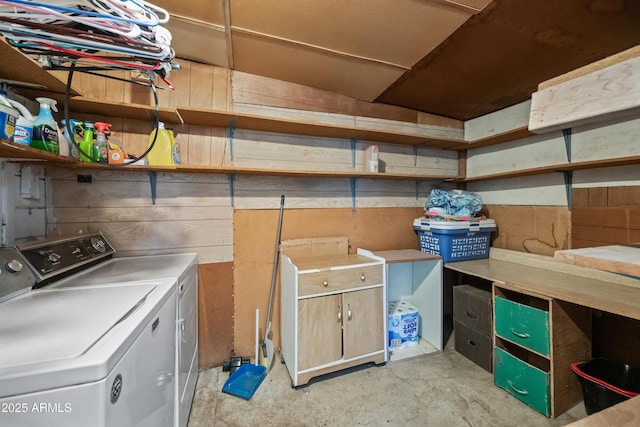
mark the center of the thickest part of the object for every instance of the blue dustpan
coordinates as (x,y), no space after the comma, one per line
(247,378)
(245,381)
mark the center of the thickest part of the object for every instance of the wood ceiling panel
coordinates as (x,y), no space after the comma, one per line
(204,10)
(311,67)
(499,56)
(198,41)
(399,32)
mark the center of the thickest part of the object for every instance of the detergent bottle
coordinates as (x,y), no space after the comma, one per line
(162,152)
(24,125)
(45,129)
(86,146)
(8,117)
(176,147)
(100,146)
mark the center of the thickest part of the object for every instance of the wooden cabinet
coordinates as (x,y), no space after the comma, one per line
(333,313)
(536,338)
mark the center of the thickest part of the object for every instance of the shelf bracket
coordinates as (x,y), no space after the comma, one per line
(568,183)
(232,188)
(566,134)
(353,152)
(417,189)
(231,131)
(353,194)
(153,181)
(415,155)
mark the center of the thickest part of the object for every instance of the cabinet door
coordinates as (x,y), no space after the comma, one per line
(319,331)
(363,322)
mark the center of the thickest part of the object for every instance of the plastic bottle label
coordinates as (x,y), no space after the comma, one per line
(22,135)
(45,138)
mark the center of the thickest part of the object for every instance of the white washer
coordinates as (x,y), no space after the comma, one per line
(125,327)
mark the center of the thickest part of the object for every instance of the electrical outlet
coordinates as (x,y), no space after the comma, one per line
(85,178)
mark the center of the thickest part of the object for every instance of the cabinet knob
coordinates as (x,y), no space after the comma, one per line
(349,311)
(325,283)
(339,313)
(362,278)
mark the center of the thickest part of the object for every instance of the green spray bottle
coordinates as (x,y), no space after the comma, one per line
(86,146)
(45,128)
(100,147)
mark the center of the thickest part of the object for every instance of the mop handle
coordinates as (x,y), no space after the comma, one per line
(257,326)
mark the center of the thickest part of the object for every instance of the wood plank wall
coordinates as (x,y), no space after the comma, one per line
(605,216)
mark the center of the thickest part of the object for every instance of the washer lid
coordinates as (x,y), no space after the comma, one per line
(51,325)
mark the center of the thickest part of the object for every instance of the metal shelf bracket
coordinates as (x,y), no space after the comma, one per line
(566,134)
(568,184)
(153,181)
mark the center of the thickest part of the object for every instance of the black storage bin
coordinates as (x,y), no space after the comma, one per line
(606,382)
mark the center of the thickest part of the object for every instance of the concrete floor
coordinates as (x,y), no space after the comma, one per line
(441,389)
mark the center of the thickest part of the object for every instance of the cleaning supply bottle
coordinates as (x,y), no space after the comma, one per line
(75,127)
(8,118)
(176,147)
(86,146)
(45,129)
(100,147)
(24,125)
(162,152)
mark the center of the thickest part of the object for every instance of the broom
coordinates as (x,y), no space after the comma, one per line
(266,347)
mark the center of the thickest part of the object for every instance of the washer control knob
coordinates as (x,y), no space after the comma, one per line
(14,266)
(98,244)
(54,257)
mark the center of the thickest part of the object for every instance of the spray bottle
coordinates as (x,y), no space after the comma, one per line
(24,125)
(100,147)
(73,140)
(86,146)
(162,152)
(45,129)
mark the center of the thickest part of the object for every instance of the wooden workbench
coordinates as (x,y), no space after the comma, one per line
(546,276)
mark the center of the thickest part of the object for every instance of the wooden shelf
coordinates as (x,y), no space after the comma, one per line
(511,135)
(121,109)
(11,150)
(207,117)
(563,167)
(19,67)
(68,163)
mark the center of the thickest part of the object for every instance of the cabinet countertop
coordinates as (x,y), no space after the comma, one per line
(317,263)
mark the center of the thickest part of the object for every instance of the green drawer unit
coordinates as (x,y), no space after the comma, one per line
(524,325)
(522,380)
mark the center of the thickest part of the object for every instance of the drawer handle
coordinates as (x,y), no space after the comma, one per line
(470,315)
(517,390)
(472,343)
(325,283)
(519,334)
(362,278)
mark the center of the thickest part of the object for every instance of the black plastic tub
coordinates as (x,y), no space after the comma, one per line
(606,382)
